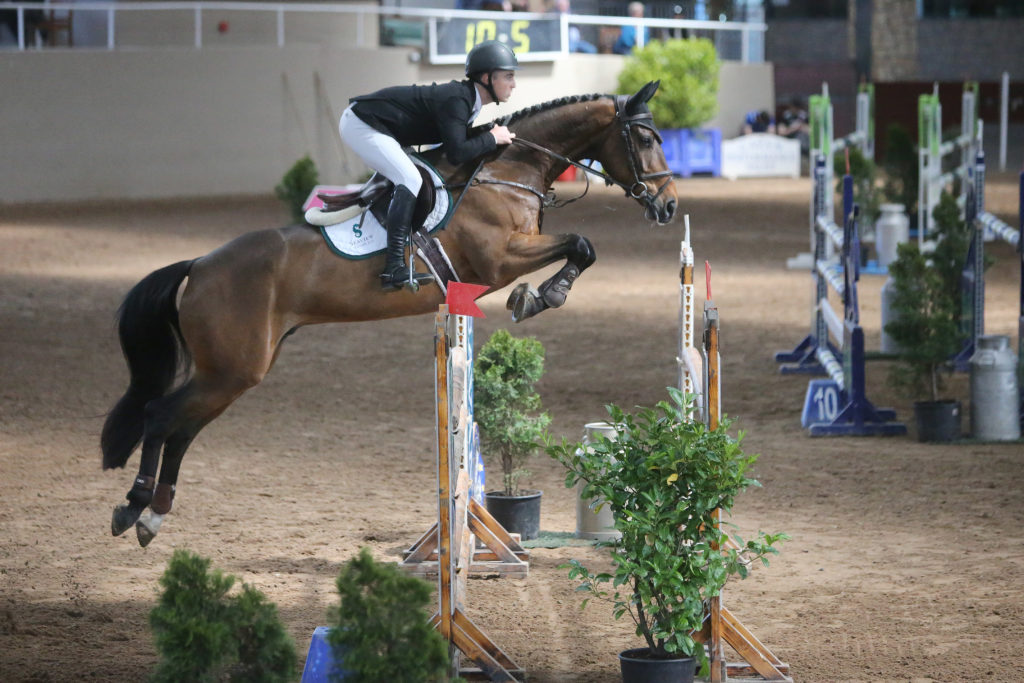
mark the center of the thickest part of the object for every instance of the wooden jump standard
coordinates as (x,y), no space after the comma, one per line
(720,625)
(448,549)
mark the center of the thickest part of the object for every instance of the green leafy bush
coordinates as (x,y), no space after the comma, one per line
(664,477)
(688,71)
(505,372)
(381,631)
(204,634)
(296,185)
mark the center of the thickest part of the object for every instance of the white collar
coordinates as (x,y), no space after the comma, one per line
(477,104)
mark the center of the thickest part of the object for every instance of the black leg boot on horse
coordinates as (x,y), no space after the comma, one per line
(399,224)
(526,302)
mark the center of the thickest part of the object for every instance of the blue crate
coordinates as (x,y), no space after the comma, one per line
(320,665)
(690,151)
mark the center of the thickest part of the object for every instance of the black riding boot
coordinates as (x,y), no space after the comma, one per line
(399,224)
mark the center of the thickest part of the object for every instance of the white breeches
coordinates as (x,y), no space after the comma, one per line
(379,151)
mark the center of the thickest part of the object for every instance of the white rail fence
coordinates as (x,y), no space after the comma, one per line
(445,32)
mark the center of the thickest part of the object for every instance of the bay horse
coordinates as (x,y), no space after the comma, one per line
(241,300)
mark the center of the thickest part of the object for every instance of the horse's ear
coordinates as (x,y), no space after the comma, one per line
(642,96)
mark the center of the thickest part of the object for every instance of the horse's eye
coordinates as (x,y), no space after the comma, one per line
(647,141)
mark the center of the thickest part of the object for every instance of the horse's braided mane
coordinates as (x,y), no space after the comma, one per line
(553,104)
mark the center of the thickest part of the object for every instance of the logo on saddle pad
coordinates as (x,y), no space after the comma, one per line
(355,233)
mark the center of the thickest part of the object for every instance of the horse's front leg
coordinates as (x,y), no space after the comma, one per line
(526,302)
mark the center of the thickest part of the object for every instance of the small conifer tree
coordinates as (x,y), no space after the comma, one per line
(506,403)
(204,634)
(381,631)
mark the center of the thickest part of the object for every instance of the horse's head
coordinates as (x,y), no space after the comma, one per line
(631,154)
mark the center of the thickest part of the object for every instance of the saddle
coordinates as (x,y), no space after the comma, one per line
(376,195)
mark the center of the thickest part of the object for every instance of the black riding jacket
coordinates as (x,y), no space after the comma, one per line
(426,115)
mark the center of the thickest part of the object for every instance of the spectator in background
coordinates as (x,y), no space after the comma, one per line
(627,37)
(793,124)
(758,122)
(576,42)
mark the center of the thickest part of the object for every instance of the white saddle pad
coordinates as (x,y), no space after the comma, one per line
(359,234)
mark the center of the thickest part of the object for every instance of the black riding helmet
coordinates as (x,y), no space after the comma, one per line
(488,57)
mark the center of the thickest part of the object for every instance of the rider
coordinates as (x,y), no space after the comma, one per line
(378,125)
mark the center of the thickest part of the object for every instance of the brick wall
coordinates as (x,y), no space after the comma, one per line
(806,41)
(894,41)
(808,52)
(970,49)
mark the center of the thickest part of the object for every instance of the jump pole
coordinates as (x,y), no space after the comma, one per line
(822,142)
(721,627)
(449,547)
(688,359)
(931,150)
(838,406)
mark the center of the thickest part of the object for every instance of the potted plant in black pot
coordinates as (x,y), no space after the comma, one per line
(664,478)
(506,409)
(687,99)
(927,327)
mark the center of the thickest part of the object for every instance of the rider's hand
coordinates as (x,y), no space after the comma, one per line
(502,136)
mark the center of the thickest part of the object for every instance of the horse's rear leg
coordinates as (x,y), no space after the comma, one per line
(525,302)
(148,525)
(197,403)
(172,422)
(161,420)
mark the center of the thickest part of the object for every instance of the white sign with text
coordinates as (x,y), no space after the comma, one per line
(760,155)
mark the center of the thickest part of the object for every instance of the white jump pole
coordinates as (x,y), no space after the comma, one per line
(1004,112)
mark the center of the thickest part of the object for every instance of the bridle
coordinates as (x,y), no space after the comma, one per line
(638,189)
(646,120)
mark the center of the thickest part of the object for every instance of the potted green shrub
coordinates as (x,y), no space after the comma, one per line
(664,477)
(381,630)
(505,407)
(927,326)
(687,98)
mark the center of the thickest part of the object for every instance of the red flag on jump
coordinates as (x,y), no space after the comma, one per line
(461,299)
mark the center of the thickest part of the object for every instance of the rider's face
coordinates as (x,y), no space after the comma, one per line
(504,82)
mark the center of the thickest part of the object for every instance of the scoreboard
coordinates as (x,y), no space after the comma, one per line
(533,40)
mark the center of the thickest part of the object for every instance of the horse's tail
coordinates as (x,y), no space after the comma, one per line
(154,350)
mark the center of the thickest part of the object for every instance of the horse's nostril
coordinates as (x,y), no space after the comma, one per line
(670,208)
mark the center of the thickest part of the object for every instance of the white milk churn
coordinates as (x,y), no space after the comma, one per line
(995,401)
(889,344)
(598,525)
(891,228)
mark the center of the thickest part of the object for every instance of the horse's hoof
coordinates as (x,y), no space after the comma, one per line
(122,519)
(515,295)
(524,302)
(144,534)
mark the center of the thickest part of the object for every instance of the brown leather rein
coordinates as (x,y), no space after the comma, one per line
(639,189)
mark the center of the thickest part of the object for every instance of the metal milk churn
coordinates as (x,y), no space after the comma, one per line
(995,401)
(891,228)
(889,345)
(598,525)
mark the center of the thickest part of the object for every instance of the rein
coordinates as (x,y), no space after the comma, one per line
(638,189)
